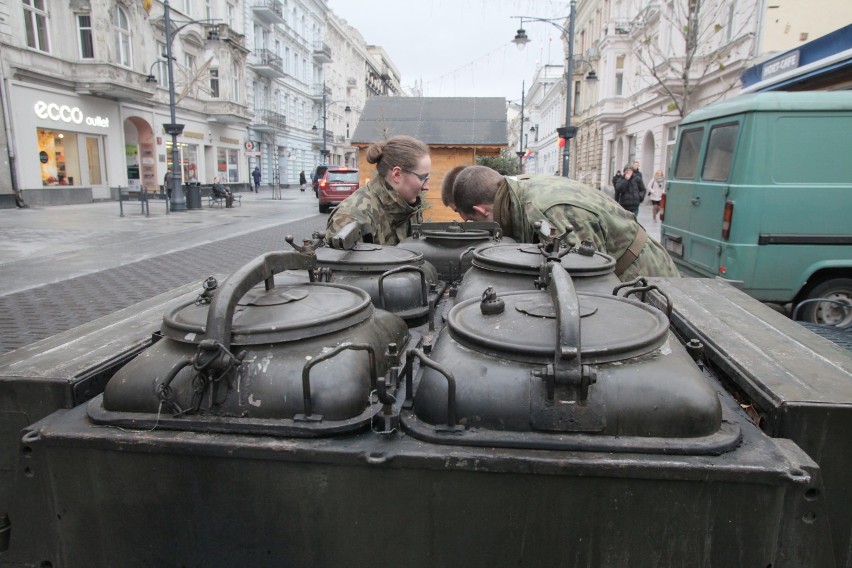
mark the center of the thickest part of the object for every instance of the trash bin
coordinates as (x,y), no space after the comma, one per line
(193,195)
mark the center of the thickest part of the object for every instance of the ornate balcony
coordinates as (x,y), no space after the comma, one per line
(271,11)
(322,52)
(266,63)
(266,120)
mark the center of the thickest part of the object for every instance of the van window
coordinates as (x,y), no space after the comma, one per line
(687,155)
(720,152)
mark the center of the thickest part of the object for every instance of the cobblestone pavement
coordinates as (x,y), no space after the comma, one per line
(37,313)
(65,266)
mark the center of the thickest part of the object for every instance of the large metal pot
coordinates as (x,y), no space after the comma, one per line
(297,360)
(523,367)
(507,267)
(447,245)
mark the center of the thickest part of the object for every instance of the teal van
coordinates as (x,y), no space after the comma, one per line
(759,194)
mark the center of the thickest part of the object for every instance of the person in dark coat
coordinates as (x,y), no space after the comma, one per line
(256,175)
(222,192)
(630,190)
(303,181)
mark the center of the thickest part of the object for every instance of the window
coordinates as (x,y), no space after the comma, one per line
(214,83)
(231,15)
(35,21)
(84,27)
(619,75)
(227,164)
(576,97)
(162,67)
(189,63)
(187,7)
(720,152)
(235,82)
(687,154)
(121,28)
(670,142)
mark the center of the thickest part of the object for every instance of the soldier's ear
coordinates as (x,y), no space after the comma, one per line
(484,209)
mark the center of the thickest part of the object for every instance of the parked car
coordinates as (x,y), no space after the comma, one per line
(337,184)
(759,195)
(318,173)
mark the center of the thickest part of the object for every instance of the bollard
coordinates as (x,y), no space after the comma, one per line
(120,203)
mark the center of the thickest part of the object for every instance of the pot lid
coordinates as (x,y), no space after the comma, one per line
(284,313)
(611,328)
(528,258)
(367,257)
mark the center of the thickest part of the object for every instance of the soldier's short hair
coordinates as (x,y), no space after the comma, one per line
(447,186)
(475,185)
(402,151)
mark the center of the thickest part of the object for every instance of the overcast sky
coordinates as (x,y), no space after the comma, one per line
(459,48)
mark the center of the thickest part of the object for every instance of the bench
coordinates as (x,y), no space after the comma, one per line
(214,201)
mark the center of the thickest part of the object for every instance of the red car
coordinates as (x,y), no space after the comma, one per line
(336,184)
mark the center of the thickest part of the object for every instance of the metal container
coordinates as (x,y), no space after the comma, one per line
(680,476)
(448,245)
(507,267)
(296,360)
(397,280)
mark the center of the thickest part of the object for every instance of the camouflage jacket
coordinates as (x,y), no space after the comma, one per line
(378,206)
(591,213)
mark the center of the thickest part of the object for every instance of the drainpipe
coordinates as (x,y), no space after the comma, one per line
(10,140)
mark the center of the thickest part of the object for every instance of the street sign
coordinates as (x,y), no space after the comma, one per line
(252,153)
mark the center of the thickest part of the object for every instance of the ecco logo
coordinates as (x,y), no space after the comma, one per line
(65,113)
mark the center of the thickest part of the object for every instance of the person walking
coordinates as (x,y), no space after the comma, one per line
(656,189)
(303,181)
(630,191)
(390,202)
(256,175)
(517,203)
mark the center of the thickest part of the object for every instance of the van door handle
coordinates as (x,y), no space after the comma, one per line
(696,201)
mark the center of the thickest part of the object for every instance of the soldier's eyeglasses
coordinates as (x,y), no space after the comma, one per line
(422,177)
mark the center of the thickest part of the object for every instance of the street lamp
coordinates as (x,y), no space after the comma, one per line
(178,200)
(325,104)
(566,132)
(521,134)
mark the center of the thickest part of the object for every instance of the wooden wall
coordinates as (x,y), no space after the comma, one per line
(444,158)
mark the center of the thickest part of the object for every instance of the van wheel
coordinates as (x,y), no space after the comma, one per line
(829,313)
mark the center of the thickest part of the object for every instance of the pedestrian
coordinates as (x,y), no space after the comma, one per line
(390,202)
(167,183)
(636,172)
(256,175)
(656,189)
(630,191)
(303,181)
(616,177)
(222,192)
(482,194)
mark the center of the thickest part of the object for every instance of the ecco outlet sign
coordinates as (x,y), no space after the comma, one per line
(69,114)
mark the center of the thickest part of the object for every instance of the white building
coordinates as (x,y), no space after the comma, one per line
(86,100)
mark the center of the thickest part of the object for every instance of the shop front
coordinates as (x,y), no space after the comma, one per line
(66,145)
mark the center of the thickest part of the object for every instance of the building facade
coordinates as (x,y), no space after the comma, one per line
(85,89)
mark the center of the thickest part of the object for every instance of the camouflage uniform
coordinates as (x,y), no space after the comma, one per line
(592,214)
(381,208)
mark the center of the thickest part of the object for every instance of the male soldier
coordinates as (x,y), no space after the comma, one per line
(482,194)
(447,187)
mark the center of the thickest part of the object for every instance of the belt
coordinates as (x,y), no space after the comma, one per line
(629,256)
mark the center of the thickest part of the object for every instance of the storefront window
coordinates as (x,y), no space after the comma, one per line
(227,164)
(188,156)
(58,157)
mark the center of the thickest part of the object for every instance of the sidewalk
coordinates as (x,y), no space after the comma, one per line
(43,245)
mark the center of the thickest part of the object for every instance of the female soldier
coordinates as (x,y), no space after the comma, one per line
(390,202)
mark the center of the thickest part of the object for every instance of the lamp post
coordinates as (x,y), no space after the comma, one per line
(521,134)
(325,103)
(178,201)
(566,132)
